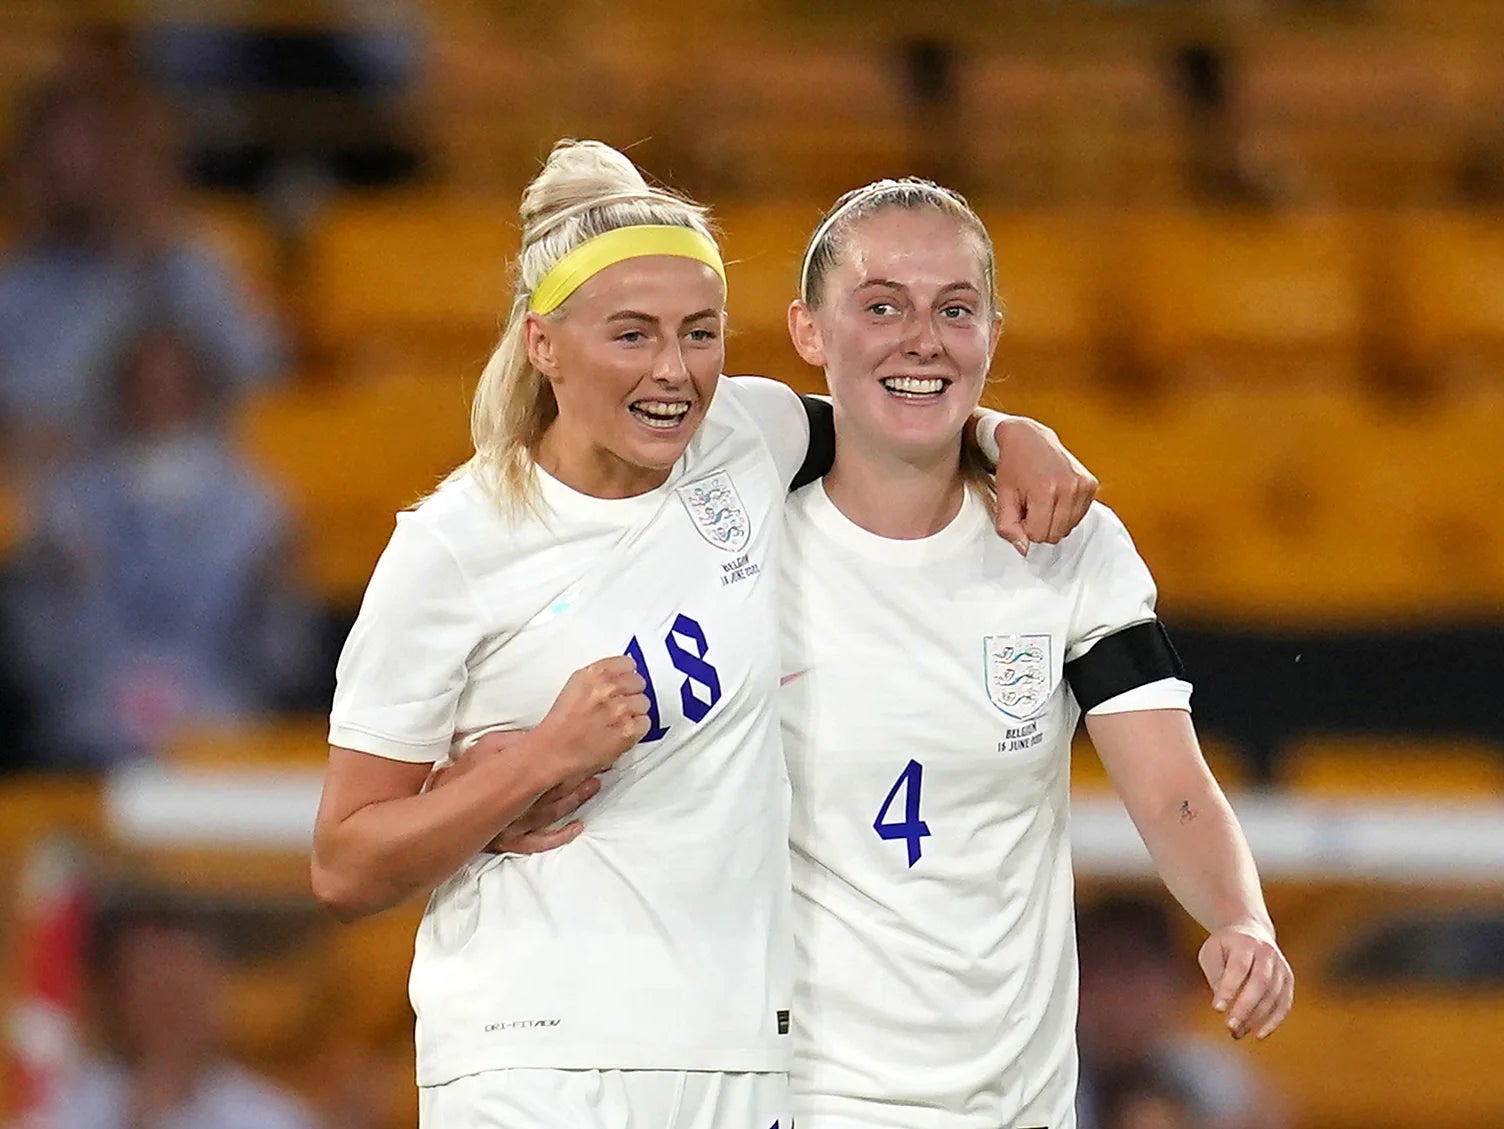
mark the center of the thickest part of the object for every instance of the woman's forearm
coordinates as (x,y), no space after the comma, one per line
(379,840)
(1191,832)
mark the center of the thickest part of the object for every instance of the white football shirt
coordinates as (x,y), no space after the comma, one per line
(928,730)
(658,939)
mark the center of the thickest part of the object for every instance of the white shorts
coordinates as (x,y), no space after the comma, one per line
(606,1099)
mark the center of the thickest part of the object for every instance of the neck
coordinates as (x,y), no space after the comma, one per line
(591,469)
(894,496)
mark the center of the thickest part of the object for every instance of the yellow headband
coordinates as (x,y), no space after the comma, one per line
(595,255)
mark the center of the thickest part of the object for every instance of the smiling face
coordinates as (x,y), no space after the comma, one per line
(904,329)
(633,358)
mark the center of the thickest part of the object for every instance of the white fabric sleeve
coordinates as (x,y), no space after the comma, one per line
(1166,694)
(1113,588)
(403,667)
(986,425)
(776,410)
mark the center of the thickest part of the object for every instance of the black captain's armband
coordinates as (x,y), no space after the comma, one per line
(1123,661)
(822,441)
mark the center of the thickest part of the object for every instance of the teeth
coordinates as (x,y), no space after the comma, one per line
(660,413)
(661,408)
(914,384)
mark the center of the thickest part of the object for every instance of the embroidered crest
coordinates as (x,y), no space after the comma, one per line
(1018,673)
(717,511)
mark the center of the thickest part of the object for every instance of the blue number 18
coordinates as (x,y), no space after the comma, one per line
(689,662)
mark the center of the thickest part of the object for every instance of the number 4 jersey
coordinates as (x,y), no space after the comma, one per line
(659,938)
(928,724)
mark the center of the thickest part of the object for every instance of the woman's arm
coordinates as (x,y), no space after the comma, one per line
(380,838)
(1199,851)
(1043,491)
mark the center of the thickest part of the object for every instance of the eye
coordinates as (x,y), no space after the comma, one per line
(631,336)
(955,312)
(703,335)
(881,309)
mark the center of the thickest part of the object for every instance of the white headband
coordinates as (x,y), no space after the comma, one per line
(862,196)
(857,197)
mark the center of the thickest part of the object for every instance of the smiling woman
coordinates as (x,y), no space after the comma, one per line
(932,685)
(585,613)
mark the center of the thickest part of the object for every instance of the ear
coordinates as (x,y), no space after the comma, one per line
(994,335)
(806,334)
(542,345)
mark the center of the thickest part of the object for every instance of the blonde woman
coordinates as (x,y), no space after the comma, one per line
(602,576)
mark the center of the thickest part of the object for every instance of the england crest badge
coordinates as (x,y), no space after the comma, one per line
(1018,673)
(717,511)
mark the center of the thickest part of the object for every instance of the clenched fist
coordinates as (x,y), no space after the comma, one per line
(600,714)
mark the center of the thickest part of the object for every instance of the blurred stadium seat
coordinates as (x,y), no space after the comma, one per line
(1445,286)
(1244,298)
(422,277)
(1422,770)
(289,741)
(349,457)
(1049,275)
(1366,117)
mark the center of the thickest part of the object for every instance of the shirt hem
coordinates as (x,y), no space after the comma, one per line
(348,736)
(723,1060)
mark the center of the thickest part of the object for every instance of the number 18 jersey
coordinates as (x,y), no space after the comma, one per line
(658,939)
(928,727)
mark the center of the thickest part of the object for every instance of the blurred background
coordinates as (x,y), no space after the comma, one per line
(252,255)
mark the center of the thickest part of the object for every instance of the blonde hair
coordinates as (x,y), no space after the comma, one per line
(586,189)
(828,243)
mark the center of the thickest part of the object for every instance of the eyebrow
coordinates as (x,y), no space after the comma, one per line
(638,315)
(889,284)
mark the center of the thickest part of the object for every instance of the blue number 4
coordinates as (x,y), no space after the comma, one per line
(912,829)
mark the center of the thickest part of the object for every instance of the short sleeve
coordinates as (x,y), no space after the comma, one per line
(1113,588)
(780,417)
(1161,694)
(403,666)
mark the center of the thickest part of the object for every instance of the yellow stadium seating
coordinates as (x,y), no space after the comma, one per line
(405,277)
(1419,769)
(1445,288)
(1262,299)
(1075,127)
(1366,117)
(273,742)
(1049,275)
(776,106)
(764,247)
(351,456)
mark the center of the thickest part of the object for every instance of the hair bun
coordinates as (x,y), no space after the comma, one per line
(578,175)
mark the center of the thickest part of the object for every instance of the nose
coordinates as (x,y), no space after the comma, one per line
(922,339)
(668,366)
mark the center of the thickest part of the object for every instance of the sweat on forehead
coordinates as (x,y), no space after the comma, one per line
(827,244)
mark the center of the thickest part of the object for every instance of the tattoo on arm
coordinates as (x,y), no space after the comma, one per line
(1187,813)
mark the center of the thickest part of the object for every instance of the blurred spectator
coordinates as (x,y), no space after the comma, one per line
(99,249)
(1148,1100)
(159,978)
(1136,986)
(284,110)
(154,591)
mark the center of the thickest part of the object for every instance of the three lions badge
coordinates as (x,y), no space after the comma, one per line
(717,511)
(1018,673)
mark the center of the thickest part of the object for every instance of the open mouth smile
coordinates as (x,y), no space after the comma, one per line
(915,387)
(663,415)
